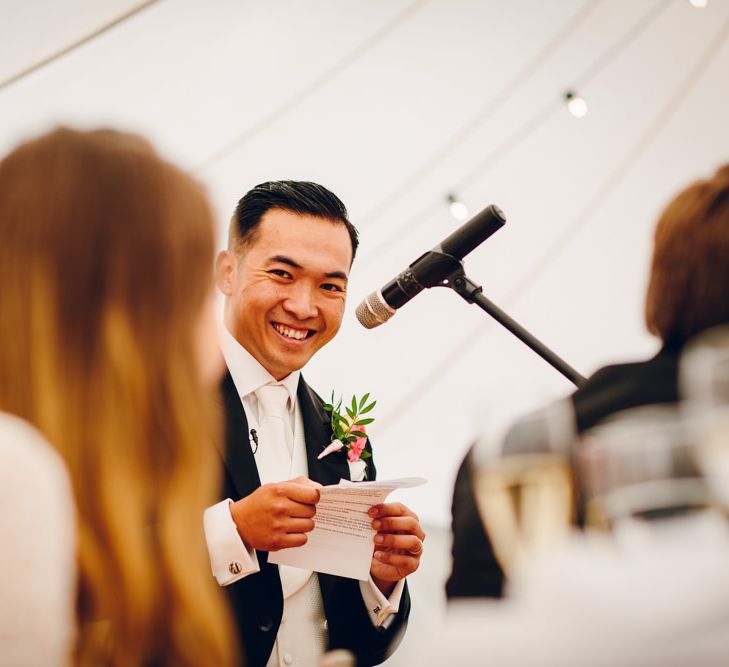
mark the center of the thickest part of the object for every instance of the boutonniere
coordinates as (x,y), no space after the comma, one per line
(349,430)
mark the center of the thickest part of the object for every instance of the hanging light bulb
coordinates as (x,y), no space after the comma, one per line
(575,104)
(699,4)
(457,208)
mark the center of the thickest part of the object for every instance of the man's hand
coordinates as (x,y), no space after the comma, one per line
(398,544)
(277,516)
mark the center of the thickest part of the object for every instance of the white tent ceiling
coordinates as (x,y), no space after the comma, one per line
(392,104)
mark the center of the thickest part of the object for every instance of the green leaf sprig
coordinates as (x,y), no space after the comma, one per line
(344,428)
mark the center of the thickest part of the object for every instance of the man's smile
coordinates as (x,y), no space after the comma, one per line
(292,334)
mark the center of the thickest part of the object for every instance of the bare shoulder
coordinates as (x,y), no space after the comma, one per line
(26,455)
(37,524)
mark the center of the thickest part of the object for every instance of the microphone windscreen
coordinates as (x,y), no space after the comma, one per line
(374,311)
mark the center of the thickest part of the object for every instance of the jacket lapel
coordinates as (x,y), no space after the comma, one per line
(240,463)
(238,456)
(318,433)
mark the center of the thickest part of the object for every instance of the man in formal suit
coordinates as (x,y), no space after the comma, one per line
(687,294)
(284,277)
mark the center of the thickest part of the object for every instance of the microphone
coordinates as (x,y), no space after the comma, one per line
(430,269)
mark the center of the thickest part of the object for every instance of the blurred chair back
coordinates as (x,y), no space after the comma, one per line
(639,464)
(704,387)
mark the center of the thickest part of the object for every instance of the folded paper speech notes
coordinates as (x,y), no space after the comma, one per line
(342,541)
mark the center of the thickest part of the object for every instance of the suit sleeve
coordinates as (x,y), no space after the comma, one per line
(350,624)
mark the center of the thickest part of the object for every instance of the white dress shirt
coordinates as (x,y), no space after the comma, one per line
(231,560)
(37,557)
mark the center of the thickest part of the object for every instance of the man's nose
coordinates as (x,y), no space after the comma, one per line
(301,302)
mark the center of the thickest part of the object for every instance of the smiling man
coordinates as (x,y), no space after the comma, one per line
(284,277)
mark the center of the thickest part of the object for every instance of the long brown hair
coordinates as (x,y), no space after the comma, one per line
(106,258)
(689,284)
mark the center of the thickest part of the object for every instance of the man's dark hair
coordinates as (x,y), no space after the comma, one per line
(301,197)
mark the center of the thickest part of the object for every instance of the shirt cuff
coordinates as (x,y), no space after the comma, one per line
(230,559)
(382,610)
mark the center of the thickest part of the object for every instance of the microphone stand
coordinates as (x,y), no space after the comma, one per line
(462,285)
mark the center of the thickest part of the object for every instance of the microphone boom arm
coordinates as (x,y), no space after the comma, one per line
(460,283)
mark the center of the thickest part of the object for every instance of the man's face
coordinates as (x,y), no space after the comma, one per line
(285,292)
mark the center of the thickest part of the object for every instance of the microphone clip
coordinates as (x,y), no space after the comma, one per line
(462,285)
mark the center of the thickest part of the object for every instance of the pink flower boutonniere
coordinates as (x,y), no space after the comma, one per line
(349,430)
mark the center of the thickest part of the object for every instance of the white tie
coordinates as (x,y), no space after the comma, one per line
(274,460)
(275,436)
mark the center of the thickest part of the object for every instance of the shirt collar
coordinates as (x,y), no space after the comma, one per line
(247,373)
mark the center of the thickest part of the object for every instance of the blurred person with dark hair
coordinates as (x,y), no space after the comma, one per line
(687,294)
(284,277)
(106,320)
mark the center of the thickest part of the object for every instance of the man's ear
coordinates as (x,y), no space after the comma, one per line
(225,268)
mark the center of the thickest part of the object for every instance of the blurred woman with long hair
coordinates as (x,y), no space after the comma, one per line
(106,329)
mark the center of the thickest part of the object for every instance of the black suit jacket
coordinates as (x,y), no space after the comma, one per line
(257,600)
(476,571)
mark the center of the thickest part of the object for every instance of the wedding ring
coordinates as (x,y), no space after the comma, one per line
(418,551)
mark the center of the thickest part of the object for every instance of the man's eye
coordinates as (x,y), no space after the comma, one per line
(280,273)
(331,287)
